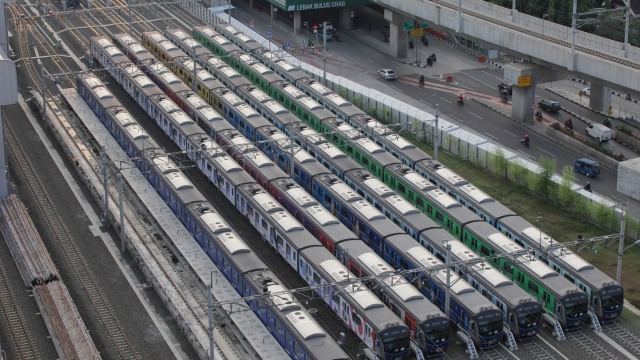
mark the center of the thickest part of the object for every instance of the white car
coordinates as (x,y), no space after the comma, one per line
(586,91)
(387,74)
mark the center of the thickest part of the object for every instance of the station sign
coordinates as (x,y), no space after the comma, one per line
(413,25)
(302,5)
(524,80)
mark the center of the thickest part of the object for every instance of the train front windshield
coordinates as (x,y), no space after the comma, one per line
(612,297)
(436,331)
(529,315)
(396,339)
(575,305)
(489,323)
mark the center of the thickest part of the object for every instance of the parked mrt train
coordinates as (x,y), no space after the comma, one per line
(379,328)
(556,292)
(604,294)
(320,221)
(288,321)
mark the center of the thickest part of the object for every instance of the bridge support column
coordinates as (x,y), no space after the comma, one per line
(599,97)
(297,17)
(346,21)
(398,38)
(523,97)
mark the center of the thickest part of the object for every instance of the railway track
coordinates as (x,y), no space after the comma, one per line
(589,346)
(492,354)
(23,343)
(79,266)
(536,351)
(624,337)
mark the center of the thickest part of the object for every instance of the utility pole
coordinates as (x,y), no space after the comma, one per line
(130,16)
(194,69)
(105,185)
(574,30)
(212,344)
(435,135)
(447,298)
(121,207)
(626,27)
(324,53)
(44,90)
(623,216)
(291,165)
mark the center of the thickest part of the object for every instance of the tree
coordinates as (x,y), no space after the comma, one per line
(566,194)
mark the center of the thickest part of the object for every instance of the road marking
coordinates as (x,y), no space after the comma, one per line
(424,101)
(476,79)
(510,133)
(395,88)
(552,155)
(491,136)
(443,99)
(456,118)
(478,116)
(499,78)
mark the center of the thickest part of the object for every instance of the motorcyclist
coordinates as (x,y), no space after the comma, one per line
(460,98)
(607,122)
(421,79)
(568,124)
(525,140)
(587,186)
(538,114)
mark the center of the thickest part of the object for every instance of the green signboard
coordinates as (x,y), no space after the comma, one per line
(302,5)
(413,25)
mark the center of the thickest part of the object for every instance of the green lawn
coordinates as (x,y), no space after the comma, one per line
(555,221)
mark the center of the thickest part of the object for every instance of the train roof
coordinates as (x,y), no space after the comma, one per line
(500,285)
(282,67)
(355,293)
(107,47)
(243,258)
(185,42)
(229,169)
(101,92)
(257,67)
(164,44)
(395,286)
(239,38)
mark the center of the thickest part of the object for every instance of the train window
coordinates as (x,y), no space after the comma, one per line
(439,217)
(569,277)
(401,188)
(298,350)
(279,328)
(533,287)
(356,319)
(263,224)
(336,299)
(316,278)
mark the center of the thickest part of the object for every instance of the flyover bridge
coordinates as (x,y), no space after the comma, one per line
(602,61)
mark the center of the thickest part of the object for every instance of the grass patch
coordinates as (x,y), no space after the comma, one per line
(558,222)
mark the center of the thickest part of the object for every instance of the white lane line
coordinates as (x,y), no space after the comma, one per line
(395,88)
(476,79)
(510,133)
(491,136)
(424,101)
(490,74)
(552,155)
(478,116)
(443,99)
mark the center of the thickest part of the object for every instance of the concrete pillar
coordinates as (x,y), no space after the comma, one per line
(599,97)
(273,10)
(346,21)
(297,17)
(398,38)
(523,96)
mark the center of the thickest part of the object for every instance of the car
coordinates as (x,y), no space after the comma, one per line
(599,132)
(587,166)
(549,105)
(329,26)
(506,85)
(387,74)
(586,91)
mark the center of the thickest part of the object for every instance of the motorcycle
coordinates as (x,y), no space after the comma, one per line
(425,40)
(432,57)
(460,100)
(421,80)
(524,141)
(539,115)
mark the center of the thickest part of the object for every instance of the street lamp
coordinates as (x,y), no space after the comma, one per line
(306,24)
(544,16)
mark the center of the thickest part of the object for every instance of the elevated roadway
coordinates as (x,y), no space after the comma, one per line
(540,42)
